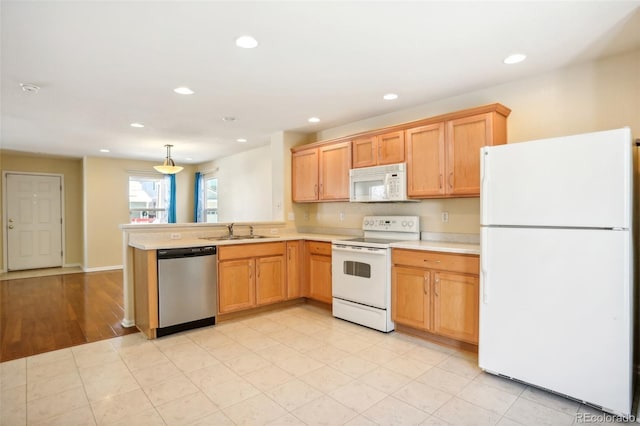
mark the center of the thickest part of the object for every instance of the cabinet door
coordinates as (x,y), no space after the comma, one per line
(304,172)
(236,285)
(365,151)
(335,162)
(294,269)
(425,160)
(465,137)
(455,306)
(391,148)
(270,280)
(410,296)
(320,278)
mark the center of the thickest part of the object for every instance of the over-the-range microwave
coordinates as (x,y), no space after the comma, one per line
(378,184)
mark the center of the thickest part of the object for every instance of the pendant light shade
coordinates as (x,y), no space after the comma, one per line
(169,166)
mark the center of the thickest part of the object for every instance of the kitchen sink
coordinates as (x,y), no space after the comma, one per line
(237,237)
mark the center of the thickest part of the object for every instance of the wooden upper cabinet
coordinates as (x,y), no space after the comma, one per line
(365,151)
(304,170)
(465,137)
(378,150)
(335,162)
(391,148)
(442,155)
(425,160)
(443,159)
(321,173)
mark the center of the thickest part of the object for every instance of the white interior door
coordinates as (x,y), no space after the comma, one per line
(34,221)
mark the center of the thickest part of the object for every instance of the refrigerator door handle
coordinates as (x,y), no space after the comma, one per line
(484,274)
(484,182)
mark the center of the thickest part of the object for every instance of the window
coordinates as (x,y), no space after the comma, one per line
(206,208)
(211,209)
(211,200)
(148,199)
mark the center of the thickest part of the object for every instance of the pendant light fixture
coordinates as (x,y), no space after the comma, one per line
(168,167)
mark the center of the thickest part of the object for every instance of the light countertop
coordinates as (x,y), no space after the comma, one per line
(165,243)
(442,246)
(199,242)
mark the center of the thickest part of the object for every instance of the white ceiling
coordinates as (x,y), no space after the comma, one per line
(103,65)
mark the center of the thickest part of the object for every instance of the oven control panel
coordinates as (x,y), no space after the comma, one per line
(391,223)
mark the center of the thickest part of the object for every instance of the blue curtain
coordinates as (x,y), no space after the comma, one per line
(172,199)
(197,216)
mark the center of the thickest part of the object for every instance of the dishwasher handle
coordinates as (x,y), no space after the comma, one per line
(178,253)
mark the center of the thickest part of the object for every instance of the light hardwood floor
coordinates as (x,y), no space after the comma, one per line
(42,314)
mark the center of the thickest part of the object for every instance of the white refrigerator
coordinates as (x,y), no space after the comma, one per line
(556,284)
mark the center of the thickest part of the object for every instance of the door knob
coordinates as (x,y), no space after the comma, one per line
(10,226)
(10,220)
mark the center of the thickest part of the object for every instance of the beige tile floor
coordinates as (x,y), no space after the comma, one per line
(290,367)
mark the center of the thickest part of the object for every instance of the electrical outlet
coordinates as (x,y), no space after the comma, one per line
(175,236)
(274,230)
(445,217)
(291,216)
(341,216)
(306,216)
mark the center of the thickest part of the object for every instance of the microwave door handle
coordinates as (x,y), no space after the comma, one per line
(386,186)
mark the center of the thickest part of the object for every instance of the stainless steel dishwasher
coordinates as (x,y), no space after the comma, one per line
(187,288)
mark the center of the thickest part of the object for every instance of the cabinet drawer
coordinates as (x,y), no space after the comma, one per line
(242,251)
(469,264)
(317,247)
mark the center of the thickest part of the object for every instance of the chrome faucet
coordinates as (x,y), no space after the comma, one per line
(230,227)
(251,230)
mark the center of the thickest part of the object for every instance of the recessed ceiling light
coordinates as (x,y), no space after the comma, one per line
(246,42)
(188,158)
(390,96)
(183,90)
(241,140)
(314,120)
(104,150)
(228,118)
(515,58)
(137,125)
(29,88)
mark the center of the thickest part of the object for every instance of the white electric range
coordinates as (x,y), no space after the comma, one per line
(361,270)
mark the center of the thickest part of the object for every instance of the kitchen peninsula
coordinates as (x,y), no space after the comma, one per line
(278,269)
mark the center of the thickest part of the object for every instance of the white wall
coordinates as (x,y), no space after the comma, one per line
(244,185)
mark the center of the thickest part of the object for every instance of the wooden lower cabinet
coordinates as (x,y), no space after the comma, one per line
(294,269)
(318,271)
(455,306)
(426,297)
(250,276)
(270,280)
(410,297)
(236,288)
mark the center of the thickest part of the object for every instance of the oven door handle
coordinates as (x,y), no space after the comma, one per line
(370,250)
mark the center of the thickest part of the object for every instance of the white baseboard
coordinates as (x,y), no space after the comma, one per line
(127,323)
(102,268)
(72,265)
